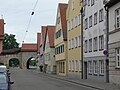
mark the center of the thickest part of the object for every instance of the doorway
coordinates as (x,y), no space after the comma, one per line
(85,70)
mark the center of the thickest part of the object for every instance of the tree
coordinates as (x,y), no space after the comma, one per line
(9,42)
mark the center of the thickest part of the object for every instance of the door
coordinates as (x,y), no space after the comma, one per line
(85,70)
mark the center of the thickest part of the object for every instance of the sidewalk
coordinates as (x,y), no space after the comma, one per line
(86,82)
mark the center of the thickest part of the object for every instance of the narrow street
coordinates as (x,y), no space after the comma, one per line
(31,80)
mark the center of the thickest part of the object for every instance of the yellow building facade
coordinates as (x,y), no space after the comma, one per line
(74,38)
(61,40)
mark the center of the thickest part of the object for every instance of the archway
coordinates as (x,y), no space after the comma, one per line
(14,62)
(31,63)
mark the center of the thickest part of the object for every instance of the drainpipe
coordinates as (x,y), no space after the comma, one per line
(107,39)
(81,11)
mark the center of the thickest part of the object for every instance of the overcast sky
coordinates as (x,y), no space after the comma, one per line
(16,14)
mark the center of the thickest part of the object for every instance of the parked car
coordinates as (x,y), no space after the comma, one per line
(4,69)
(5,84)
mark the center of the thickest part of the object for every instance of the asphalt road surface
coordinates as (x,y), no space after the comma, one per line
(32,80)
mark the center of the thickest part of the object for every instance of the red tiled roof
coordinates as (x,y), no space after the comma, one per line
(51,31)
(63,8)
(43,35)
(38,42)
(1,29)
(29,47)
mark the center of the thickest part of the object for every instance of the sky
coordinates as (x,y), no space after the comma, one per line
(17,13)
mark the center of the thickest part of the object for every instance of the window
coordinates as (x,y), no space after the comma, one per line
(73,66)
(69,44)
(86,23)
(72,23)
(73,5)
(72,43)
(90,67)
(95,18)
(92,2)
(95,44)
(3,79)
(76,65)
(117,13)
(79,19)
(101,15)
(59,49)
(69,67)
(101,42)
(79,41)
(90,45)
(95,67)
(80,65)
(76,40)
(68,25)
(76,21)
(88,2)
(58,33)
(86,45)
(85,2)
(90,21)
(118,57)
(101,65)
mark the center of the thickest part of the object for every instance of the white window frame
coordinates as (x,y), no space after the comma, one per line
(72,43)
(73,4)
(80,65)
(73,65)
(95,44)
(90,67)
(95,70)
(90,21)
(86,46)
(88,2)
(117,57)
(117,18)
(90,45)
(76,42)
(79,41)
(76,21)
(69,26)
(101,42)
(76,66)
(101,15)
(72,22)
(101,66)
(79,19)
(95,18)
(86,23)
(92,2)
(69,67)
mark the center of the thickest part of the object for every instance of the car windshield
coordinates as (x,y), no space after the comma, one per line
(3,79)
(2,68)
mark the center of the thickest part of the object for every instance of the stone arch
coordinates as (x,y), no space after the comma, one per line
(28,62)
(14,62)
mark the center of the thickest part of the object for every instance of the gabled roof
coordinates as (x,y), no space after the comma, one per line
(112,2)
(43,32)
(63,9)
(38,42)
(29,47)
(51,33)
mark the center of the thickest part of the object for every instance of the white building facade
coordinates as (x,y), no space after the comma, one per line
(114,41)
(94,40)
